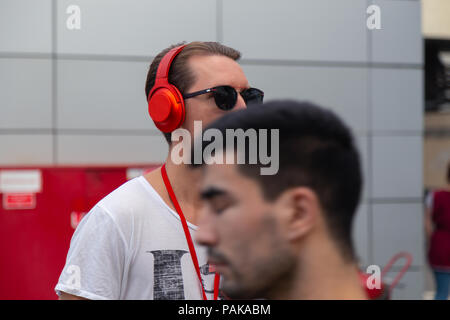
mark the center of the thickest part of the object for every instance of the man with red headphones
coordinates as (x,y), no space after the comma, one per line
(136,243)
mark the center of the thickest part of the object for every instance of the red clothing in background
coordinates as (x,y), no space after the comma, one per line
(439,253)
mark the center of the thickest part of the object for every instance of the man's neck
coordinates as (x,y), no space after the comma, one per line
(184,184)
(323,275)
(343,283)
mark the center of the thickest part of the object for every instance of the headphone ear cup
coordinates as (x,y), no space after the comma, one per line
(166,108)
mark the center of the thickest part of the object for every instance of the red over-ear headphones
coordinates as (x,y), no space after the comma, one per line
(165,101)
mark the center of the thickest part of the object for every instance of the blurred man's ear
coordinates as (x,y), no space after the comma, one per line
(301,212)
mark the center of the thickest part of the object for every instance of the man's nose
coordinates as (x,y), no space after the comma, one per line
(240,103)
(206,234)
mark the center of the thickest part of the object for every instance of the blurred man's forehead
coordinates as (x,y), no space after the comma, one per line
(229,180)
(219,173)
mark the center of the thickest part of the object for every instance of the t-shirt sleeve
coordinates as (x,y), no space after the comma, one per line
(96,258)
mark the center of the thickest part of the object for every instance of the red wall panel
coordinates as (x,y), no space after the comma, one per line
(34,242)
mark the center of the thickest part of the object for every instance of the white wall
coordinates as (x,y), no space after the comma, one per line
(77,96)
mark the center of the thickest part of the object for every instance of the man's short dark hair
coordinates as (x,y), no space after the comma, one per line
(316,150)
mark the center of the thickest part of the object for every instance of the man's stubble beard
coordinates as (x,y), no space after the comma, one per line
(271,275)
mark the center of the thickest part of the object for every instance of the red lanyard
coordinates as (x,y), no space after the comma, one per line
(188,236)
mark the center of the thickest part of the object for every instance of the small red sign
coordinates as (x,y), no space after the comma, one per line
(19,201)
(75,218)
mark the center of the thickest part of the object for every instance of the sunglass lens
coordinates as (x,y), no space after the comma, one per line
(225,97)
(252,95)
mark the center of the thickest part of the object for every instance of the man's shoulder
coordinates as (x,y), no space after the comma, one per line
(132,198)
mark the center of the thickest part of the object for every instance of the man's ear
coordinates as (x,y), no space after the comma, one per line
(301,212)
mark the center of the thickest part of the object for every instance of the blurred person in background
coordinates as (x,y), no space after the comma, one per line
(437,228)
(287,235)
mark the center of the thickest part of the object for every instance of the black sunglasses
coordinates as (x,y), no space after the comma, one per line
(226,96)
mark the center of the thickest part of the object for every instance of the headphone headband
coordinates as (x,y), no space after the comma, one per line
(166,62)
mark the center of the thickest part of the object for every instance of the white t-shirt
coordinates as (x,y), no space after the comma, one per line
(131,245)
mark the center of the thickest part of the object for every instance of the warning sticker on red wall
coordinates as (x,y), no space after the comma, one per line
(20,181)
(19,201)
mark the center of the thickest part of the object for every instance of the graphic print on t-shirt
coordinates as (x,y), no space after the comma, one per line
(168,277)
(206,271)
(168,283)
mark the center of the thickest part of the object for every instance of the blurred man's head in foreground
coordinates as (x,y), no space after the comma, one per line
(265,233)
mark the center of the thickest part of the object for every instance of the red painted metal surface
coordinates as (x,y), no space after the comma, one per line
(34,242)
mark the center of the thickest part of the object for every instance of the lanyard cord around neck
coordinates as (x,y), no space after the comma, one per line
(188,235)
